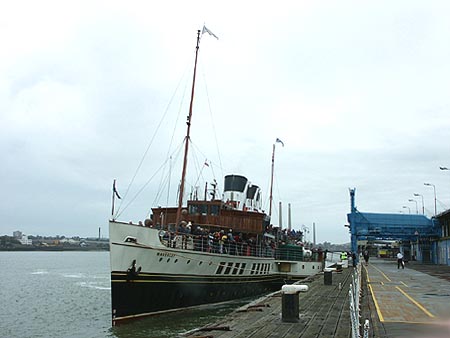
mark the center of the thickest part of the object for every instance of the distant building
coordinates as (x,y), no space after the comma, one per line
(69,241)
(24,240)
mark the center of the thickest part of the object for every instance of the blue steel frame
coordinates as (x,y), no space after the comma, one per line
(379,226)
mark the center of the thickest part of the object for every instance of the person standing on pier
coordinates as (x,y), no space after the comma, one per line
(366,256)
(400,260)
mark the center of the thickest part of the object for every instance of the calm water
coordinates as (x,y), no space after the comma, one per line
(67,294)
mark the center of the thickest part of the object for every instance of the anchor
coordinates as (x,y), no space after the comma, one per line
(132,272)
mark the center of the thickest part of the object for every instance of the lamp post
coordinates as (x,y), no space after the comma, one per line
(416,253)
(413,200)
(434,188)
(405,206)
(423,206)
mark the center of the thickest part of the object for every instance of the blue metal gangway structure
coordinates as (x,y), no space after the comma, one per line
(416,234)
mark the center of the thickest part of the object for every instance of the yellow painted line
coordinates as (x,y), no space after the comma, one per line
(382,273)
(428,313)
(367,274)
(404,284)
(412,322)
(376,304)
(382,283)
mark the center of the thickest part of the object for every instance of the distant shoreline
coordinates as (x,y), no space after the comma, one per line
(53,249)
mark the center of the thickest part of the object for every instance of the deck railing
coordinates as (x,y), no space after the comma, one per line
(205,243)
(208,243)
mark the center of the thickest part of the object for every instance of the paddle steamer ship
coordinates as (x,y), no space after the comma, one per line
(207,251)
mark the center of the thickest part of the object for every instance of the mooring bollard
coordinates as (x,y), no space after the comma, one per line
(289,302)
(328,276)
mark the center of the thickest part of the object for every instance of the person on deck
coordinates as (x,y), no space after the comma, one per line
(354,259)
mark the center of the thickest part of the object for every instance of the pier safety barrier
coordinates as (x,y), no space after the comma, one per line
(289,302)
(355,306)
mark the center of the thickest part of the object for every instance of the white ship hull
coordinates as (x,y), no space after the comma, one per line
(148,277)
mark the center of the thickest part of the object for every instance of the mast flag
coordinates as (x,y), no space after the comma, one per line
(206,30)
(115,190)
(114,194)
(279,141)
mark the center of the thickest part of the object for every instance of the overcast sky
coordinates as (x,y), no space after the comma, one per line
(357,91)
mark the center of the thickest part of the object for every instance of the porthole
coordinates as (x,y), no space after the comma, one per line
(168,260)
(160,259)
(176,260)
(313,267)
(188,261)
(303,266)
(200,263)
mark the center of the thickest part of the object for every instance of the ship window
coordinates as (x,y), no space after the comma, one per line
(313,266)
(160,259)
(242,268)
(303,266)
(188,261)
(253,269)
(168,260)
(258,268)
(198,209)
(200,263)
(176,260)
(236,268)
(227,270)
(214,210)
(220,268)
(193,209)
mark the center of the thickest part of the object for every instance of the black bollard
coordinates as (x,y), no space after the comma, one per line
(289,302)
(328,277)
(289,308)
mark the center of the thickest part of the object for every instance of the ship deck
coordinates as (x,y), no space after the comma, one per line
(414,302)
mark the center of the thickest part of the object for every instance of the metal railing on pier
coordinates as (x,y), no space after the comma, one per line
(355,306)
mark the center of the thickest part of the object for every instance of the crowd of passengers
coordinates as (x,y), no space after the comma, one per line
(194,237)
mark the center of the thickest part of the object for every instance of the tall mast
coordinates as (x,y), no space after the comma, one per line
(271,181)
(187,139)
(271,177)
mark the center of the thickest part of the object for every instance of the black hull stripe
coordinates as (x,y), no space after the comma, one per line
(143,297)
(164,278)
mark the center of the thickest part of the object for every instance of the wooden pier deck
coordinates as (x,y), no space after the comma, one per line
(413,302)
(324,312)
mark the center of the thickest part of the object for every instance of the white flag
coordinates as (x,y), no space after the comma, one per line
(206,30)
(279,141)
